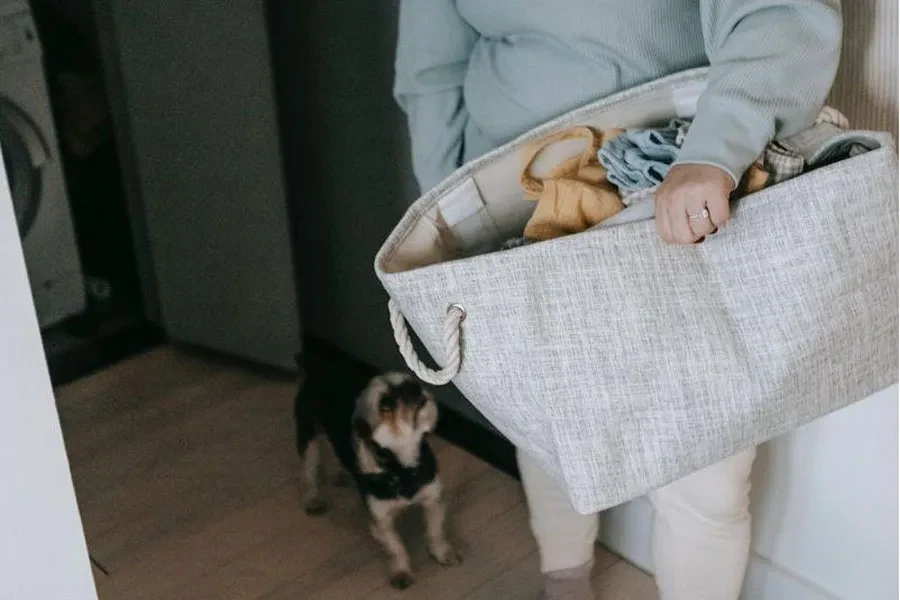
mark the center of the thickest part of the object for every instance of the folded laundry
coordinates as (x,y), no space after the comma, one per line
(782,164)
(622,170)
(641,158)
(833,116)
(841,147)
(576,194)
(824,143)
(516,242)
(755,179)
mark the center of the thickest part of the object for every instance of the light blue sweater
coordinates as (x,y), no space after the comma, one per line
(474,74)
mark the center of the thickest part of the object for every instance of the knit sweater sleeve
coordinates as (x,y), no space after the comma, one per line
(433,48)
(772,64)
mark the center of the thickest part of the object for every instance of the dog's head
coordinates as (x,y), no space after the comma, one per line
(396,407)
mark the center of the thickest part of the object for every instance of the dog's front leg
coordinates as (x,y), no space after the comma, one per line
(313,501)
(384,532)
(435,510)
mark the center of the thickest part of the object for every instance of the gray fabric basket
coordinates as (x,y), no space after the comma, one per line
(620,363)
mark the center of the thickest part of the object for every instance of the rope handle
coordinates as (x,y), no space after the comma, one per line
(456,314)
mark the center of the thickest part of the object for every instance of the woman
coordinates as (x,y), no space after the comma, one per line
(474,74)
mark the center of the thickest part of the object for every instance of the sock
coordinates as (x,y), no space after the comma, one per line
(569,584)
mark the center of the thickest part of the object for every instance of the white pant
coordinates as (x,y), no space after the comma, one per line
(701,534)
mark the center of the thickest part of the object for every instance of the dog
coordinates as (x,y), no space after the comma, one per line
(378,430)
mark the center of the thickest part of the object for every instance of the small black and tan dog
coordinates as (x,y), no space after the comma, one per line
(378,430)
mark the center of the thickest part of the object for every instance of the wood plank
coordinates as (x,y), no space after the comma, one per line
(199,469)
(187,480)
(473,503)
(623,581)
(523,580)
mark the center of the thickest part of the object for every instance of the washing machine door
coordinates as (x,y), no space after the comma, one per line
(24,156)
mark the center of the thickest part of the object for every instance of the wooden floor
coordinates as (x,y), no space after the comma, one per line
(187,481)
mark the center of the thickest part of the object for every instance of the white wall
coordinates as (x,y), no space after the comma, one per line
(825,501)
(42,547)
(824,505)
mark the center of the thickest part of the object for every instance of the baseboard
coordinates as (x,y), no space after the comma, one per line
(70,357)
(626,531)
(452,426)
(768,581)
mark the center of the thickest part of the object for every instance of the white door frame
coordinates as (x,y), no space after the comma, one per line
(42,546)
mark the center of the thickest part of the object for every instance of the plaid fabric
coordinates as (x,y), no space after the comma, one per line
(781,163)
(788,158)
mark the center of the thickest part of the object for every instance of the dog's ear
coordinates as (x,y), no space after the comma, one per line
(362,429)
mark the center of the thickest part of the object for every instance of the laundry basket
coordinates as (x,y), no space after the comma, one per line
(620,363)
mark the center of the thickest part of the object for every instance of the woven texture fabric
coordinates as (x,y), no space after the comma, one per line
(621,364)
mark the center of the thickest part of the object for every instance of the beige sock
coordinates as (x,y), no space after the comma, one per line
(569,584)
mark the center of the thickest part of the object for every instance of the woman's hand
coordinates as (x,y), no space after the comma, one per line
(692,202)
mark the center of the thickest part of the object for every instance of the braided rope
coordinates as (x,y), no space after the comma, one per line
(453,353)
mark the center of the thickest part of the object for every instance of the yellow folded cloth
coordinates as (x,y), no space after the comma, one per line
(755,179)
(575,195)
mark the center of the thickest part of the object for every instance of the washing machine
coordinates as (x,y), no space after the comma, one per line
(32,160)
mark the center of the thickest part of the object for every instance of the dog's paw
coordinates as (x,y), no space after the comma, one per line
(446,555)
(315,506)
(402,580)
(343,479)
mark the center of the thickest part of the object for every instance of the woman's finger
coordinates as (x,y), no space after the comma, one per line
(700,222)
(662,221)
(719,210)
(678,222)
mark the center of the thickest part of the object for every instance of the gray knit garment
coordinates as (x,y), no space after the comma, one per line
(472,75)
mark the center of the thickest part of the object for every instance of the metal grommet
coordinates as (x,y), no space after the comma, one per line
(459,307)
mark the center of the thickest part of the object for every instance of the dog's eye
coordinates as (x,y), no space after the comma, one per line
(385,410)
